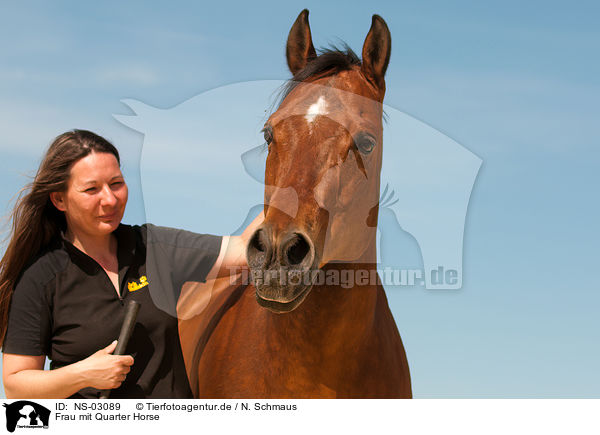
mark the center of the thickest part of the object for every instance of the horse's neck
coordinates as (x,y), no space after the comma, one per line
(337,314)
(349,290)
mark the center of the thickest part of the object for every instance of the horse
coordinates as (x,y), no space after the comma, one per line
(299,330)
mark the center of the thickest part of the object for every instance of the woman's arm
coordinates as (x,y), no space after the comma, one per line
(24,375)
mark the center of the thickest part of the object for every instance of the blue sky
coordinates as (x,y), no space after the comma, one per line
(517,84)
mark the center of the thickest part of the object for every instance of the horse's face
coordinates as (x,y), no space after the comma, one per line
(322,171)
(327,146)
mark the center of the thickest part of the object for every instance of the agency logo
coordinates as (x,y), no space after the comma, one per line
(24,414)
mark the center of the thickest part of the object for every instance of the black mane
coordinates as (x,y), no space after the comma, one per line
(330,61)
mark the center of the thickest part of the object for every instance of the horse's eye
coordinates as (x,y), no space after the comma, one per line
(365,143)
(268,132)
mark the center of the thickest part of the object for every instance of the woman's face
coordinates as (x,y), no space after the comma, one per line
(96,195)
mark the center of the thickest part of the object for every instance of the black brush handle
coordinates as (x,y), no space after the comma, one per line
(131,312)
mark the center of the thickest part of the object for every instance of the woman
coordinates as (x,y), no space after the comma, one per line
(71,265)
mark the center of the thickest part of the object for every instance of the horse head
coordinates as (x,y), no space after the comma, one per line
(323,166)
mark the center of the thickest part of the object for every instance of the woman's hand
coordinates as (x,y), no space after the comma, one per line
(24,375)
(232,256)
(102,370)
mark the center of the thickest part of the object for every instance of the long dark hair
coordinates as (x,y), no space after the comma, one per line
(35,220)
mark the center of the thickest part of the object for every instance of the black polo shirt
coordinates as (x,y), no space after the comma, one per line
(65,306)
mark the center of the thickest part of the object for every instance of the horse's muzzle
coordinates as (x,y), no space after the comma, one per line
(281,265)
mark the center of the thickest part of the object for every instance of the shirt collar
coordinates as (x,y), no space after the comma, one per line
(126,244)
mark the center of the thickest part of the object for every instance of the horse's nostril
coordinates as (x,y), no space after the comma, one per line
(257,243)
(258,249)
(297,250)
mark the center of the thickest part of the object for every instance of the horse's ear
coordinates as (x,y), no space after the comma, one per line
(300,50)
(376,51)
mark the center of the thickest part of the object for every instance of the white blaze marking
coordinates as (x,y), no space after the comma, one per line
(318,108)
